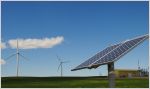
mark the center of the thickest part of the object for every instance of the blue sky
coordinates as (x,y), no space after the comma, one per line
(87,28)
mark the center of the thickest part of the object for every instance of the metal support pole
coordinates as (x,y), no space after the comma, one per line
(111,75)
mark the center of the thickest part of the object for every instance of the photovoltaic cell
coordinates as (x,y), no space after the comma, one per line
(111,53)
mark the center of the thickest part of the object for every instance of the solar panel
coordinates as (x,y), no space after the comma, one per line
(111,53)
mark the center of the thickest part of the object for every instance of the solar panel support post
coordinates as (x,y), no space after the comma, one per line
(111,75)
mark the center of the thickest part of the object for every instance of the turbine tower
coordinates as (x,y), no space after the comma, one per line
(139,69)
(61,65)
(138,65)
(18,54)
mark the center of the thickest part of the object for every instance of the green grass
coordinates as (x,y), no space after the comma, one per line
(70,82)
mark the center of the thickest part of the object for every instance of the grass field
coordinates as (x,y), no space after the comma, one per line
(70,82)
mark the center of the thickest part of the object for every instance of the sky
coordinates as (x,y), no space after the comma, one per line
(74,31)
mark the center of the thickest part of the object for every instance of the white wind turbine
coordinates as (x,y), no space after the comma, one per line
(61,64)
(18,55)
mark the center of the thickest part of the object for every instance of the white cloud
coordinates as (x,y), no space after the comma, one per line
(2,61)
(2,45)
(36,43)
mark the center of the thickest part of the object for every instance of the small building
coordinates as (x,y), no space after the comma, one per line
(127,73)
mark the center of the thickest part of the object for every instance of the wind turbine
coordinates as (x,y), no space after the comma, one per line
(18,55)
(61,64)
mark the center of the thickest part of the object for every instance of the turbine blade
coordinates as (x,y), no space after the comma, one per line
(59,67)
(24,57)
(10,56)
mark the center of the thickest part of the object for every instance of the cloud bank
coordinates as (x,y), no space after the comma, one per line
(2,61)
(36,43)
(2,45)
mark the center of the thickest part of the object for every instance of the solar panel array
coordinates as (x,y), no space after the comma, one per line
(112,53)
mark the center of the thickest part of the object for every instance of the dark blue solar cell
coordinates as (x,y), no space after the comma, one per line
(128,44)
(135,41)
(105,59)
(125,46)
(132,43)
(112,53)
(116,53)
(111,57)
(122,49)
(139,39)
(119,50)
